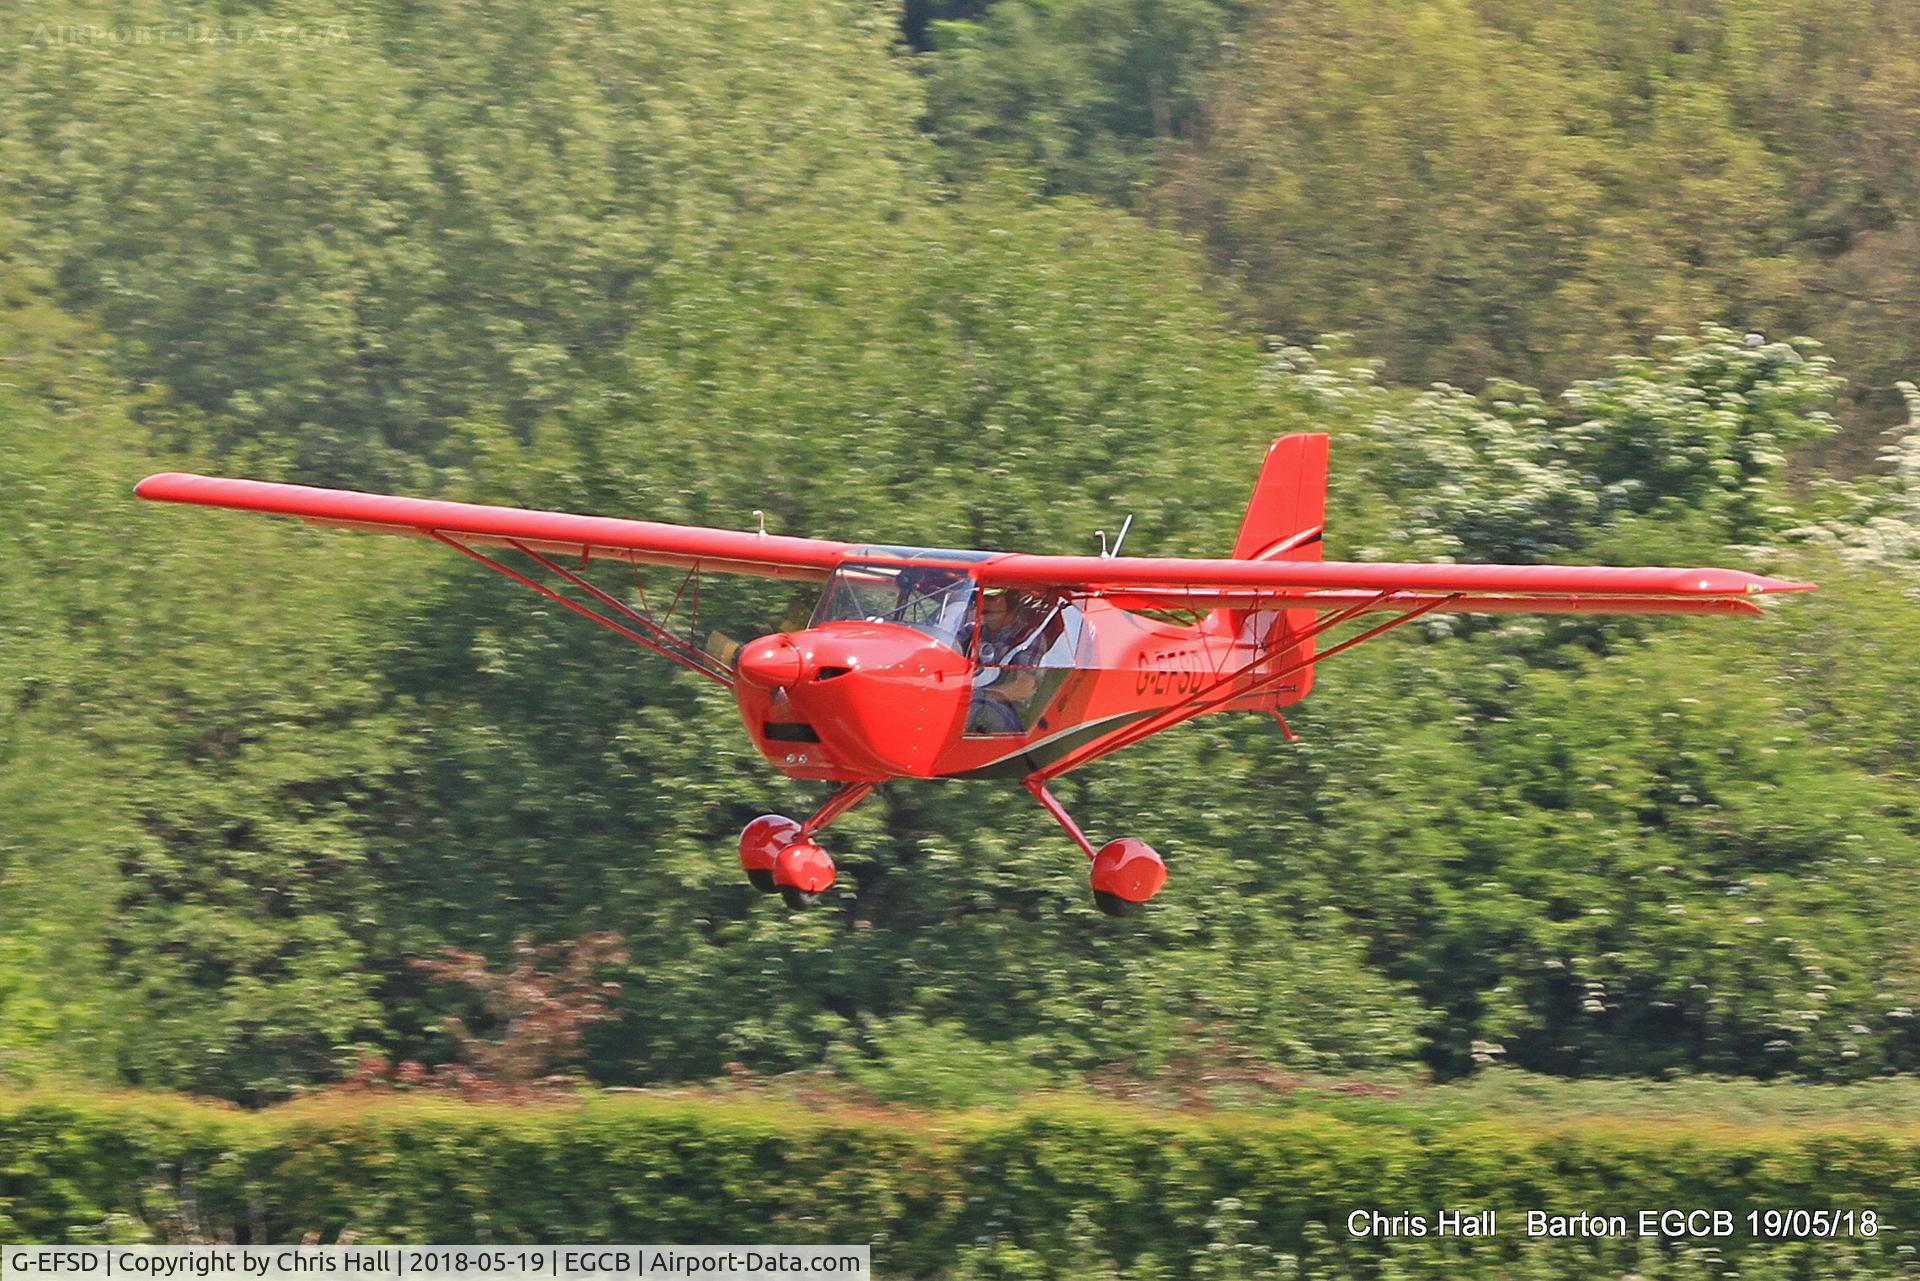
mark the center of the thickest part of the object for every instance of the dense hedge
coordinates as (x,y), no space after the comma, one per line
(1048,1186)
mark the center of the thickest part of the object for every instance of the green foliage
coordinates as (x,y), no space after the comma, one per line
(1724,757)
(1877,521)
(978,373)
(354,256)
(184,741)
(1521,221)
(54,866)
(1065,1189)
(1702,435)
(1523,190)
(1500,1091)
(939,1065)
(1677,458)
(1084,93)
(248,773)
(1640,862)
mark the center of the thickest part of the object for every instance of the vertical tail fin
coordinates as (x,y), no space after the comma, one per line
(1289,504)
(1284,521)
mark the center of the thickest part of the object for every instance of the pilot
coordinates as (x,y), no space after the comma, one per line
(1006,624)
(1009,636)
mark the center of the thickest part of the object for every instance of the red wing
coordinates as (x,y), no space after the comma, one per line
(1166,583)
(1144,582)
(1454,603)
(724,550)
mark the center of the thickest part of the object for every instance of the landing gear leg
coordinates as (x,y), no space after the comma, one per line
(839,803)
(779,855)
(1126,873)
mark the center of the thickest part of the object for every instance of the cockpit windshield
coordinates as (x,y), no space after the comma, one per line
(935,599)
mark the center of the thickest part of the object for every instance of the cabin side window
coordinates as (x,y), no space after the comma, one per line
(1027,645)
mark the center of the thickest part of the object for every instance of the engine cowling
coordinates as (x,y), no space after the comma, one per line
(853,700)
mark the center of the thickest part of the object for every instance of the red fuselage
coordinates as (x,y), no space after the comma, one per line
(989,690)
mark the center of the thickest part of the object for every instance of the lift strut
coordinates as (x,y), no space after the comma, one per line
(653,637)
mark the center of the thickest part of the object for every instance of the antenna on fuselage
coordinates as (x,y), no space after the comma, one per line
(1121,537)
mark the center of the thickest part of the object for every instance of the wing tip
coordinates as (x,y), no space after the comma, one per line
(1733,582)
(162,485)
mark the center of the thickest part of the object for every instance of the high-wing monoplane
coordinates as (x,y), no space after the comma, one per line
(926,662)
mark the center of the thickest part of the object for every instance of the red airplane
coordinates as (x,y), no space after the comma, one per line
(929,663)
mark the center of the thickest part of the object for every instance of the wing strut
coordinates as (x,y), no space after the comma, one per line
(1206,700)
(661,634)
(653,636)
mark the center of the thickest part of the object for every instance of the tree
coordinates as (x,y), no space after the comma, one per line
(190,725)
(1086,94)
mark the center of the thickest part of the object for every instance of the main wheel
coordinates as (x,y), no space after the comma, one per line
(760,846)
(1126,873)
(802,871)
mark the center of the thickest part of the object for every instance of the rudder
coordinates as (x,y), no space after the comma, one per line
(1285,519)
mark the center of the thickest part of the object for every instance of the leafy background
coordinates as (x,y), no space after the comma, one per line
(978,274)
